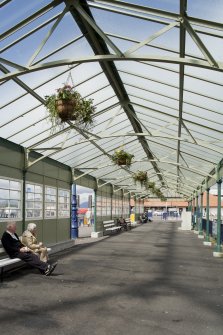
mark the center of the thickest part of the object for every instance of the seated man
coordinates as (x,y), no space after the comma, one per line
(15,249)
(29,240)
(122,223)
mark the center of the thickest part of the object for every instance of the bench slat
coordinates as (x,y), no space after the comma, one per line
(8,261)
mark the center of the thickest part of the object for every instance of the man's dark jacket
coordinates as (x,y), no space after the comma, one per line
(11,245)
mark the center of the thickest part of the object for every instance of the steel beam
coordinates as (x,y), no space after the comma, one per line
(108,59)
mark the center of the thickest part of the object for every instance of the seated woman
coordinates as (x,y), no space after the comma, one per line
(28,238)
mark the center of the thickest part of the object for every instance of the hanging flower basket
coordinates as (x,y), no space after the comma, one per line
(121,157)
(64,109)
(150,185)
(140,176)
(159,194)
(68,105)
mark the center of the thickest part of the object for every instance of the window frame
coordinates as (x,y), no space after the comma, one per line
(26,208)
(19,200)
(46,194)
(58,204)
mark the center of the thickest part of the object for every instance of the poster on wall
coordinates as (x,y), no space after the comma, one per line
(85,204)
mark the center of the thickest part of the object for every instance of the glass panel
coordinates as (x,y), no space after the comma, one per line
(15,185)
(50,205)
(3,203)
(38,205)
(47,197)
(30,196)
(61,193)
(29,213)
(53,191)
(29,204)
(15,194)
(4,194)
(37,213)
(14,204)
(29,188)
(50,213)
(38,189)
(4,183)
(38,197)
(61,200)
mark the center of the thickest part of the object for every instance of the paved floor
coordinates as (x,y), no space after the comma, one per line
(152,280)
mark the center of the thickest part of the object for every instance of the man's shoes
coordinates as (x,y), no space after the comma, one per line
(50,269)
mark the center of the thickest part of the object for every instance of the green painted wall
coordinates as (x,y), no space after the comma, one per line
(45,172)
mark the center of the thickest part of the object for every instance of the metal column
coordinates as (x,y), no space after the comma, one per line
(200,217)
(218,248)
(95,211)
(193,212)
(207,239)
(74,219)
(24,200)
(196,213)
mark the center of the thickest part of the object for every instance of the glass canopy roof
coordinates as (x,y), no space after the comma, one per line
(154,69)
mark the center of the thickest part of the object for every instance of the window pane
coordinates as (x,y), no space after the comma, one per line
(10,200)
(38,197)
(30,196)
(15,185)
(4,183)
(38,189)
(63,203)
(29,188)
(53,191)
(29,204)
(50,205)
(37,213)
(4,194)
(61,200)
(14,203)
(14,195)
(61,193)
(38,205)
(3,203)
(29,213)
(34,193)
(52,198)
(50,213)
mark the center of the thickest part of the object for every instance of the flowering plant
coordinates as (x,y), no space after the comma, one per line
(68,105)
(66,92)
(140,176)
(121,157)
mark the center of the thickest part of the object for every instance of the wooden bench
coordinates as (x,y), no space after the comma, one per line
(110,227)
(128,223)
(6,261)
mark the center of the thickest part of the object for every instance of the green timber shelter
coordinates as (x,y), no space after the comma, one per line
(154,71)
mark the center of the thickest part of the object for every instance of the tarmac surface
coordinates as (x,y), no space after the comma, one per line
(153,280)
